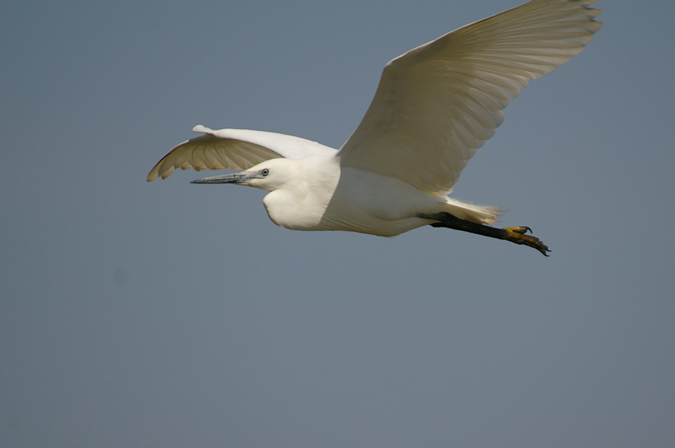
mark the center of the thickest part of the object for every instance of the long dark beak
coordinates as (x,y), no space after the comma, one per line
(234,178)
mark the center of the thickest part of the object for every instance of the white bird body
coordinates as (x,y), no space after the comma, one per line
(434,107)
(366,202)
(316,193)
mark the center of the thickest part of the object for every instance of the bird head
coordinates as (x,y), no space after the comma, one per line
(268,175)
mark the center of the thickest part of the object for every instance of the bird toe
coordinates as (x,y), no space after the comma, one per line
(522,230)
(517,235)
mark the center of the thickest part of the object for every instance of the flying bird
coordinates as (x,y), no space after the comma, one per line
(434,107)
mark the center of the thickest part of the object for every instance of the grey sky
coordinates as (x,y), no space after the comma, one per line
(173,315)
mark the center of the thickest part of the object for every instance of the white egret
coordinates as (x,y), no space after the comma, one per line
(434,107)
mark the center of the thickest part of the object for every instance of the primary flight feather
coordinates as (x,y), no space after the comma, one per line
(434,107)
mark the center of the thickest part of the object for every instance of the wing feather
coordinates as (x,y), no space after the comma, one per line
(438,103)
(234,149)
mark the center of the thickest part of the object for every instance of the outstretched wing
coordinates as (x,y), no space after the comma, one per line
(437,104)
(234,149)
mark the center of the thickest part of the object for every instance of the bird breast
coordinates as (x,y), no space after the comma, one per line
(301,202)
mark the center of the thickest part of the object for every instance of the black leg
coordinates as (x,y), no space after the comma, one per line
(514,234)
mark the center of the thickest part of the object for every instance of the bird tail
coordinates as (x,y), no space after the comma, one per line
(481,214)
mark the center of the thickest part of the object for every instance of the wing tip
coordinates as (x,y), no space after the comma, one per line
(153,174)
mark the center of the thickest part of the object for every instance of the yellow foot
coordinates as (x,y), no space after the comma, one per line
(518,235)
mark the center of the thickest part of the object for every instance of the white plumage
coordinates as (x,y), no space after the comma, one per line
(434,107)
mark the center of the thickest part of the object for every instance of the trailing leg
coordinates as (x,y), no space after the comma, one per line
(514,234)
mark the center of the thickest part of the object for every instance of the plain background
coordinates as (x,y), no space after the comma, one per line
(174,315)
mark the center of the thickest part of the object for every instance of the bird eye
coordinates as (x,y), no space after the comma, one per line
(265,172)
